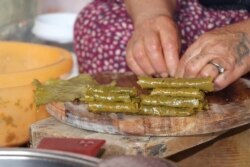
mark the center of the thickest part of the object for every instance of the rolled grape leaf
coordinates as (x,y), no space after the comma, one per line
(165,111)
(170,101)
(99,107)
(112,89)
(108,97)
(204,84)
(179,92)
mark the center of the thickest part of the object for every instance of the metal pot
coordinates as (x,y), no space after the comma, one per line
(39,158)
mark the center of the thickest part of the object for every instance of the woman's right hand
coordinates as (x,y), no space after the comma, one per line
(154,46)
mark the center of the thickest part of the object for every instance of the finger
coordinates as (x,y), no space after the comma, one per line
(209,70)
(170,46)
(229,76)
(132,64)
(223,80)
(195,65)
(154,52)
(191,52)
(141,58)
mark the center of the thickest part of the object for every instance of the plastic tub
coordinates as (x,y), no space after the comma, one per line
(20,64)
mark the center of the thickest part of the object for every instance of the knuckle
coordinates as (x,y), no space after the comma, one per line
(170,46)
(191,68)
(221,47)
(231,61)
(154,47)
(138,51)
(139,55)
(204,73)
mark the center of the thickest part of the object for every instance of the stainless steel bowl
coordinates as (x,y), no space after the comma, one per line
(43,158)
(27,157)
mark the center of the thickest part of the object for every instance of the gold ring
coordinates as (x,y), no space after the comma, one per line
(218,67)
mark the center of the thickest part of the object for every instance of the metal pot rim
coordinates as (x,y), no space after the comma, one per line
(12,153)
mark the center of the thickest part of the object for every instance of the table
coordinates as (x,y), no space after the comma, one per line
(118,144)
(231,149)
(225,149)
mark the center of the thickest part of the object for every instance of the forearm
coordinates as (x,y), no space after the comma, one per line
(140,10)
(242,26)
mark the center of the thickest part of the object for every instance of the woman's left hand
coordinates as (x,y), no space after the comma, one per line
(222,54)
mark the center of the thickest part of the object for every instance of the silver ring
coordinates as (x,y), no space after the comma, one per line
(218,67)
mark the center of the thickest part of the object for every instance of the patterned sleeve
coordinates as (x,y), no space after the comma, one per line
(177,8)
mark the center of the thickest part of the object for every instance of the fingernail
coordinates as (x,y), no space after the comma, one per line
(172,73)
(164,74)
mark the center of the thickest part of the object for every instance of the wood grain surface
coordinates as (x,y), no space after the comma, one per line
(118,144)
(227,109)
(231,149)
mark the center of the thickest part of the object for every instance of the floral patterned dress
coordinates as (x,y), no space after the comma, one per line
(104,27)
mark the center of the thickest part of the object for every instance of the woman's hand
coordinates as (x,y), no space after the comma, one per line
(154,47)
(225,47)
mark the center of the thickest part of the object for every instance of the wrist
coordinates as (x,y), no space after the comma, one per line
(141,10)
(142,18)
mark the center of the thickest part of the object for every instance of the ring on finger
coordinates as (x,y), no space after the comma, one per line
(219,68)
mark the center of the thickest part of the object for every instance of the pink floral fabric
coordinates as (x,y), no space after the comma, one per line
(103,29)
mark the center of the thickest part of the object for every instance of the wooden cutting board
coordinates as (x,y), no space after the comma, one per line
(227,109)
